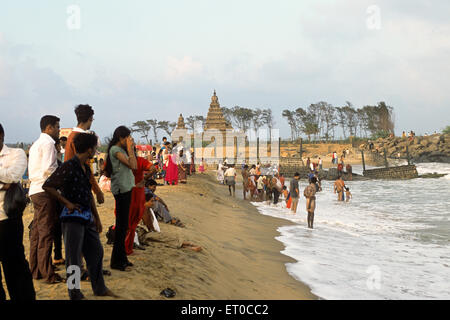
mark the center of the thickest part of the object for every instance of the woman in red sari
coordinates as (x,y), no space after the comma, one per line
(172,169)
(137,201)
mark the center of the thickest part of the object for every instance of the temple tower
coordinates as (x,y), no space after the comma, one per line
(181,124)
(215,119)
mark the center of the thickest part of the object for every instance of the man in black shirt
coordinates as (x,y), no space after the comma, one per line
(80,220)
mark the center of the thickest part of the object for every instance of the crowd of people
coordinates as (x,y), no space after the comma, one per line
(271,187)
(64,191)
(62,174)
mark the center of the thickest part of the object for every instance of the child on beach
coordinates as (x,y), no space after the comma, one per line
(202,166)
(348,194)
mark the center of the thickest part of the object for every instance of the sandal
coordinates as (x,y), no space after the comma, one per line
(59,262)
(177,222)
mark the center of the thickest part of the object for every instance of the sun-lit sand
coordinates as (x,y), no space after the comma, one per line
(240,257)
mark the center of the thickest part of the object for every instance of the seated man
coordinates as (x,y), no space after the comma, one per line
(158,206)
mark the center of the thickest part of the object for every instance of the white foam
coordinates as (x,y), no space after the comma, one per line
(391,229)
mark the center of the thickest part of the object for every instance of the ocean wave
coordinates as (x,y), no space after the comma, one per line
(378,235)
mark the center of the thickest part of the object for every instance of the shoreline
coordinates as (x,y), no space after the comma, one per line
(240,260)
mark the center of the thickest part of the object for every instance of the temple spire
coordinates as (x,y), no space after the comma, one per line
(215,119)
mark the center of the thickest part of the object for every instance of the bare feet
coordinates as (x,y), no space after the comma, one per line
(191,246)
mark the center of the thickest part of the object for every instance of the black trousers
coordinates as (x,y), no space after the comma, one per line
(276,195)
(123,202)
(57,240)
(81,239)
(15,266)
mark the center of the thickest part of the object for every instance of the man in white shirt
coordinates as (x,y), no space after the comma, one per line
(230,179)
(42,163)
(13,163)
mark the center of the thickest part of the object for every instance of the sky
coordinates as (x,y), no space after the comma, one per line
(140,59)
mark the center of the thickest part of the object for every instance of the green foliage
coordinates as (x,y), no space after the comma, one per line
(446,130)
(381,134)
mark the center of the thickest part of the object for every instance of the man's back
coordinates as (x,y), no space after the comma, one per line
(294,188)
(42,162)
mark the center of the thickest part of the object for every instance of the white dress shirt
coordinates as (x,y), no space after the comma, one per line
(42,162)
(13,163)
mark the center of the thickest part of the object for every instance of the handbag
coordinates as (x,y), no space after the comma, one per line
(15,201)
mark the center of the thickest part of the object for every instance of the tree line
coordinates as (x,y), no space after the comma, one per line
(148,127)
(320,120)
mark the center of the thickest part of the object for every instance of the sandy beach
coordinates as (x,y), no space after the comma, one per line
(240,258)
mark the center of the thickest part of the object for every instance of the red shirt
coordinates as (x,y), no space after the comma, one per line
(142,166)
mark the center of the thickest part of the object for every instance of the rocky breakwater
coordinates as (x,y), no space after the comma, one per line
(433,148)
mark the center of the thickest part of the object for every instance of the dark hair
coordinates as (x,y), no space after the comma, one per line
(83,112)
(15,201)
(166,143)
(246,166)
(296,174)
(84,141)
(313,180)
(63,139)
(1,129)
(284,187)
(48,121)
(120,132)
(150,182)
(154,148)
(164,138)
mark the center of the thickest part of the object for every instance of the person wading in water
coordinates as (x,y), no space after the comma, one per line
(339,187)
(310,195)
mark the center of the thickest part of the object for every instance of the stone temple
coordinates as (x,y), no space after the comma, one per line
(181,124)
(215,119)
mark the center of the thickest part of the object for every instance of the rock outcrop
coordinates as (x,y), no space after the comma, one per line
(433,148)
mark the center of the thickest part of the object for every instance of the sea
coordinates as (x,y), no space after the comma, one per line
(390,241)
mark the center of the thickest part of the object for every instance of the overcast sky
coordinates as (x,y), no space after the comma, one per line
(140,59)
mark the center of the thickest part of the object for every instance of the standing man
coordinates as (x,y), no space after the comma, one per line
(63,142)
(320,164)
(294,192)
(85,117)
(230,179)
(80,220)
(245,184)
(13,163)
(339,187)
(310,195)
(42,164)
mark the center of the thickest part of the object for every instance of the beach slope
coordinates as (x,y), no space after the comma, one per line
(240,258)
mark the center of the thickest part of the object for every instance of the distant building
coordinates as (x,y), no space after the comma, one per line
(65,132)
(215,118)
